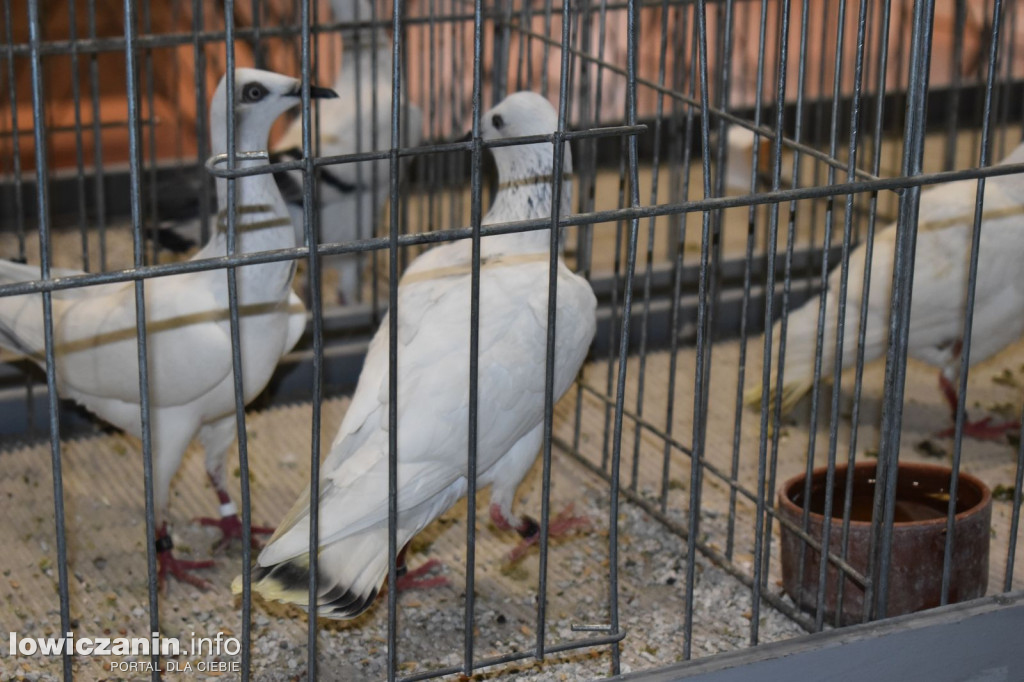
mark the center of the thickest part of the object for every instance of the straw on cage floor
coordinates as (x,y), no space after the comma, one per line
(107,568)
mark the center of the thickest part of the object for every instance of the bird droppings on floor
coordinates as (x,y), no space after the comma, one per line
(108,586)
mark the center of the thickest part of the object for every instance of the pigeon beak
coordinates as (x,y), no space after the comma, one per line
(323,93)
(315,92)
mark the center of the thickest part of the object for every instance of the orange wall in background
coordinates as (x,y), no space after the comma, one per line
(445,94)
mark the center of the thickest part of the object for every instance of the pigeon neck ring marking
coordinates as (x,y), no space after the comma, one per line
(499,260)
(217,159)
(532,180)
(251,209)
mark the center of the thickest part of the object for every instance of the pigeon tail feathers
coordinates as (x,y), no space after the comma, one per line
(350,574)
(801,342)
(21,317)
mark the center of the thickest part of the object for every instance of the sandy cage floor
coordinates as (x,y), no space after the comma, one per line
(103,494)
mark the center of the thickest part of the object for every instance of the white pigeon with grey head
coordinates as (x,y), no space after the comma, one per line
(191,385)
(351,196)
(433,385)
(941,265)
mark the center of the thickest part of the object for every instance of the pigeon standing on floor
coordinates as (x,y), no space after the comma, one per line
(351,196)
(941,265)
(188,329)
(433,387)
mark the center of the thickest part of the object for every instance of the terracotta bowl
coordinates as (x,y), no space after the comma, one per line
(915,578)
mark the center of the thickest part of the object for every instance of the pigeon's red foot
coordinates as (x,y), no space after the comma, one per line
(231,529)
(983,429)
(179,568)
(559,526)
(414,580)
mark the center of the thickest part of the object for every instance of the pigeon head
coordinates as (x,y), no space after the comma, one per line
(518,115)
(260,97)
(521,113)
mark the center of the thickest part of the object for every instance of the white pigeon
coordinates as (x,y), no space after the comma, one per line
(740,162)
(433,387)
(351,195)
(937,310)
(188,328)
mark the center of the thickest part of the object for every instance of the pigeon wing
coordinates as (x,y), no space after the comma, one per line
(97,347)
(433,398)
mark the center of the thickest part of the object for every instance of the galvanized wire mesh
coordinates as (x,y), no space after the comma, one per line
(694,244)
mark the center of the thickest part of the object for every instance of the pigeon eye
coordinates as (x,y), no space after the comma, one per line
(253,92)
(498,121)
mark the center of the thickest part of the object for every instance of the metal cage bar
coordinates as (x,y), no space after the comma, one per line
(674,90)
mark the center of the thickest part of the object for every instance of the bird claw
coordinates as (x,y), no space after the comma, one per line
(983,429)
(413,580)
(558,527)
(179,568)
(231,529)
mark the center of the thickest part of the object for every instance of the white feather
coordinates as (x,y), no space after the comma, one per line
(433,379)
(187,322)
(941,267)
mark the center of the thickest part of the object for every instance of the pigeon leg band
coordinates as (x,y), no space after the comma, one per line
(528,528)
(164,543)
(227,506)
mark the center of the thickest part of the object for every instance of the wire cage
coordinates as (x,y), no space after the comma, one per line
(736,164)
